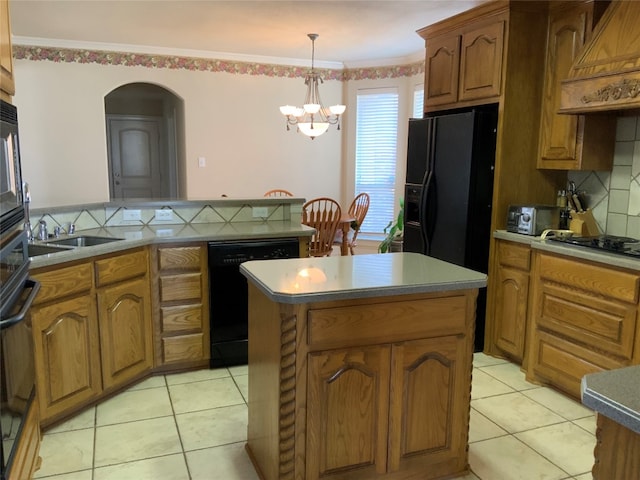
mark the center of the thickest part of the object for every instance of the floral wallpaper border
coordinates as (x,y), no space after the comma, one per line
(70,55)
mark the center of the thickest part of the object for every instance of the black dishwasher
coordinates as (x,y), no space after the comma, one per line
(228,293)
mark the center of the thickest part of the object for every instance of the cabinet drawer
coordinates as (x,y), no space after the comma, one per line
(183,348)
(593,278)
(514,255)
(604,325)
(182,317)
(564,363)
(119,268)
(63,282)
(382,323)
(184,258)
(180,287)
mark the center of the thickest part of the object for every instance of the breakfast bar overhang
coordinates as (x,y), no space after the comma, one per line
(360,366)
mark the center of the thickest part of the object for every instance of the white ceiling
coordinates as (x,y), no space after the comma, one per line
(352,32)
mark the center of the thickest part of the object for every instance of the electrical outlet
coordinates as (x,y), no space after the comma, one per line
(202,162)
(128,214)
(164,214)
(260,212)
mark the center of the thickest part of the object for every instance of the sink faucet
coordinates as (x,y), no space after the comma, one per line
(42,232)
(27,201)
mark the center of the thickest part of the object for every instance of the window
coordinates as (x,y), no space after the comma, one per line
(376,154)
(418,101)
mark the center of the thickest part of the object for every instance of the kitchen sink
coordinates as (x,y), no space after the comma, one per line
(37,250)
(84,241)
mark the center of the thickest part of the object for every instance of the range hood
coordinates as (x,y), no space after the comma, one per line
(605,76)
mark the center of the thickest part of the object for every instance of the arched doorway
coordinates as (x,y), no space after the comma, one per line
(144,125)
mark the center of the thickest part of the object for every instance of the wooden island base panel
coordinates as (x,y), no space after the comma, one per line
(360,377)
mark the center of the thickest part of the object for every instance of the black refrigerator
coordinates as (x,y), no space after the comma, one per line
(449,189)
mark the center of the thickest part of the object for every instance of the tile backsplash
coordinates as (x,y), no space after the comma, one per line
(181,213)
(614,197)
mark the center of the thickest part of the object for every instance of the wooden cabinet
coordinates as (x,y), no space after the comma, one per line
(617,452)
(360,389)
(511,298)
(92,331)
(181,294)
(571,142)
(583,320)
(66,346)
(481,61)
(464,65)
(442,67)
(26,455)
(348,405)
(124,310)
(7,85)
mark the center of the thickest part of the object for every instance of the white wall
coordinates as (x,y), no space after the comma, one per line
(232,120)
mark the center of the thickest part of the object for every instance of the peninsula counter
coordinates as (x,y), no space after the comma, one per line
(360,366)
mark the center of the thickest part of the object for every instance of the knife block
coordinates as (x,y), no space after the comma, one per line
(583,223)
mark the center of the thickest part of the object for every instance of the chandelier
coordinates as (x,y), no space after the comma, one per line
(312,118)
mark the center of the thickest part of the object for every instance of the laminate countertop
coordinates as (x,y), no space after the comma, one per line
(136,236)
(306,280)
(615,394)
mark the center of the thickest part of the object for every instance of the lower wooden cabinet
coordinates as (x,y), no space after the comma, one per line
(617,452)
(361,389)
(348,405)
(125,331)
(91,326)
(584,319)
(368,409)
(181,299)
(511,296)
(66,340)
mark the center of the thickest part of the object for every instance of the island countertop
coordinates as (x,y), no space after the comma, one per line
(305,280)
(615,394)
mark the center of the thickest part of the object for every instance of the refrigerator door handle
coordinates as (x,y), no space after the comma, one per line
(426,223)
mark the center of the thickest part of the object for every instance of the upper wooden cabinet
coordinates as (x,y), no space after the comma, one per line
(464,60)
(442,68)
(7,85)
(571,142)
(464,65)
(481,61)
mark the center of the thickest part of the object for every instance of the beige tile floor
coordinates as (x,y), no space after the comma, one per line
(193,426)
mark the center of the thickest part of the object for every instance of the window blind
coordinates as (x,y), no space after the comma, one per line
(376,154)
(418,101)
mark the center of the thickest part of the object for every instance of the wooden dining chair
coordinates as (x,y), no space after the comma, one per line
(278,192)
(358,210)
(323,214)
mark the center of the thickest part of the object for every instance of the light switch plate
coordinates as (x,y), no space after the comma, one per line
(128,214)
(164,214)
(260,212)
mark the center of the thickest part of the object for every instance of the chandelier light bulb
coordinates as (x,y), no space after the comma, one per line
(312,119)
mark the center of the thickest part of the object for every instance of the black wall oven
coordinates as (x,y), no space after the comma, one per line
(17,292)
(11,199)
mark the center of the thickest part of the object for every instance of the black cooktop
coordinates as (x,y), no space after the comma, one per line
(609,243)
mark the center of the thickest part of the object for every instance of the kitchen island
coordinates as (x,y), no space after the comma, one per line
(360,366)
(615,396)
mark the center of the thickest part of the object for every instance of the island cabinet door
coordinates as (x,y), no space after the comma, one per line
(429,407)
(347,420)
